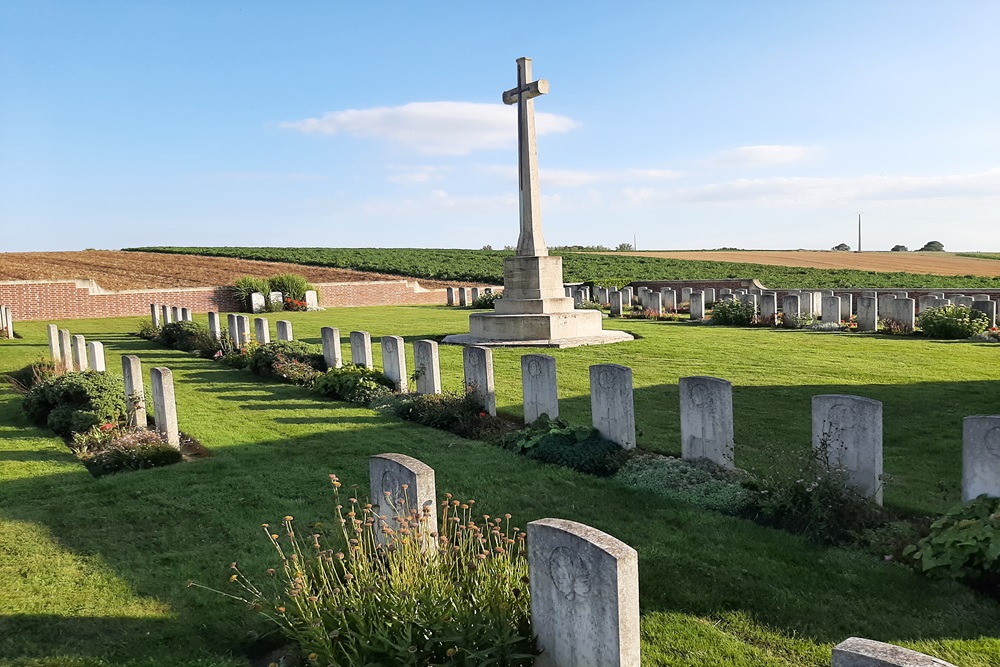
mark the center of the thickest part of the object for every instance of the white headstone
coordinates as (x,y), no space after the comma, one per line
(980,456)
(95,356)
(686,294)
(175,314)
(258,304)
(66,349)
(463,296)
(790,306)
(669,299)
(79,353)
(904,310)
(277,300)
(285,330)
(135,393)
(154,314)
(243,328)
(709,295)
(474,294)
(361,349)
(164,405)
(707,420)
(54,352)
(312,300)
(232,325)
(612,405)
(831,309)
(655,303)
(868,313)
(627,295)
(262,330)
(186,315)
(331,347)
(401,486)
(214,330)
(615,302)
(428,366)
(846,307)
(584,596)
(858,652)
(886,303)
(769,308)
(394,362)
(539,387)
(451,296)
(696,302)
(478,365)
(850,428)
(165,315)
(988,307)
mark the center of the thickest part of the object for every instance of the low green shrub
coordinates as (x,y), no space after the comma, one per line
(461,414)
(77,401)
(189,336)
(815,498)
(733,313)
(893,327)
(109,449)
(588,305)
(247,285)
(964,544)
(953,322)
(578,447)
(261,360)
(148,331)
(294,371)
(455,594)
(354,384)
(291,285)
(699,482)
(487,301)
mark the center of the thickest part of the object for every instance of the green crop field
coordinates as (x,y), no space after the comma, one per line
(980,255)
(93,571)
(487,266)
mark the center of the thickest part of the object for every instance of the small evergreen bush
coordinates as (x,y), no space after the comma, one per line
(77,401)
(487,301)
(953,322)
(354,384)
(578,447)
(733,313)
(188,336)
(291,285)
(246,286)
(461,414)
(261,361)
(107,449)
(699,482)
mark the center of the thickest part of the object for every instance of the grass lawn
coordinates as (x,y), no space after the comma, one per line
(93,571)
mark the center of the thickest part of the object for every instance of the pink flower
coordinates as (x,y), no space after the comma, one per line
(107,427)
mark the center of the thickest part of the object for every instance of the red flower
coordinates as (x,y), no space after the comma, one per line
(107,427)
(482,414)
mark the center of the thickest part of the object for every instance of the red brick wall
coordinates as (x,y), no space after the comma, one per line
(69,299)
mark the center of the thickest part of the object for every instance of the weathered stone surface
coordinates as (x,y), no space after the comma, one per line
(846,307)
(612,405)
(276,299)
(901,295)
(478,365)
(474,294)
(530,241)
(988,307)
(868,313)
(627,295)
(768,307)
(707,420)
(285,330)
(243,329)
(164,405)
(95,356)
(686,294)
(312,300)
(186,315)
(394,361)
(539,387)
(584,596)
(258,302)
(655,303)
(214,328)
(165,315)
(428,366)
(79,353)
(904,310)
(332,353)
(154,315)
(709,295)
(66,349)
(361,349)
(135,393)
(831,309)
(924,302)
(401,486)
(696,301)
(463,296)
(886,304)
(54,352)
(615,303)
(750,300)
(980,456)
(858,652)
(451,296)
(849,429)
(669,299)
(262,330)
(790,305)
(175,314)
(232,325)
(964,301)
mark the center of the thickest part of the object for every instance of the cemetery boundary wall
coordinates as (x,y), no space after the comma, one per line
(81,299)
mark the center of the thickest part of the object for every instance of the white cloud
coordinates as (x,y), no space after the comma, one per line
(559,178)
(762,156)
(655,174)
(407,175)
(435,128)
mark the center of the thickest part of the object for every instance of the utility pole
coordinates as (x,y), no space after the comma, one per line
(859,231)
(635,245)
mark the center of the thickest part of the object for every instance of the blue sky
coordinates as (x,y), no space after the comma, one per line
(689,125)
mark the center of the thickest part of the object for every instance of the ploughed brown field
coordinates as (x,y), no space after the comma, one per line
(936,263)
(117,270)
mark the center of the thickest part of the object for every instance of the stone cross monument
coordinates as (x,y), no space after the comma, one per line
(534,310)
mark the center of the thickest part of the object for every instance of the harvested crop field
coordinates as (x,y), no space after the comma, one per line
(934,263)
(117,270)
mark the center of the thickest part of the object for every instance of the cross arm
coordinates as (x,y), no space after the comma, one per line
(533,89)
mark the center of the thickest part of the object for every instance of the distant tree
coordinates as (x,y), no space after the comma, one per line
(625,247)
(487,247)
(932,246)
(509,247)
(900,248)
(842,247)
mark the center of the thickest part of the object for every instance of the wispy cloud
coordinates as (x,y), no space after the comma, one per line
(266,176)
(411,174)
(762,156)
(580,177)
(434,128)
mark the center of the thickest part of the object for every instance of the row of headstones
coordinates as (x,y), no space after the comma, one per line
(7,321)
(258,302)
(74,353)
(466,296)
(584,583)
(161,314)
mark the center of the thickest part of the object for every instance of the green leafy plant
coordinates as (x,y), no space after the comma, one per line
(964,544)
(247,285)
(699,482)
(291,285)
(76,401)
(577,447)
(734,313)
(109,448)
(953,322)
(294,371)
(189,336)
(894,327)
(487,301)
(148,331)
(262,358)
(354,384)
(461,414)
(454,594)
(34,374)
